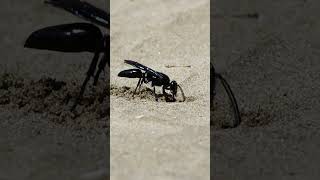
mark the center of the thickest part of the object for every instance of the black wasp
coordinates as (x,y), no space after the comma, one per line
(77,37)
(214,76)
(146,75)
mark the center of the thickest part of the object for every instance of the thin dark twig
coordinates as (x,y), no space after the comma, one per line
(172,66)
(241,16)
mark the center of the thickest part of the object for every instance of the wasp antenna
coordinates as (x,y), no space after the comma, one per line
(183,96)
(232,99)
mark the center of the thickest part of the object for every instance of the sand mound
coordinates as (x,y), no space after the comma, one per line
(146,93)
(54,98)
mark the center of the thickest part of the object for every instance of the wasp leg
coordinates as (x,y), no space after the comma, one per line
(154,91)
(84,84)
(101,66)
(142,81)
(164,92)
(212,83)
(139,84)
(104,60)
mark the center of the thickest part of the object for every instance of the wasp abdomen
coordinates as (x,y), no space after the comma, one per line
(76,37)
(131,73)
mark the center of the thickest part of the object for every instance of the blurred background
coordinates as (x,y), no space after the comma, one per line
(33,145)
(271,61)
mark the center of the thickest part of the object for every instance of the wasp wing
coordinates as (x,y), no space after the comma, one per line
(84,10)
(145,68)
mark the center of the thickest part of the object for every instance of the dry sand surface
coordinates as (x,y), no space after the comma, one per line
(39,137)
(160,140)
(272,64)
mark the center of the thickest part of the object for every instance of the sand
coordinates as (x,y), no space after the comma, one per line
(160,140)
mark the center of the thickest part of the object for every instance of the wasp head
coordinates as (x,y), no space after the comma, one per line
(174,88)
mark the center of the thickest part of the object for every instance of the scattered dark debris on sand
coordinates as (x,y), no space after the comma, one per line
(145,93)
(256,118)
(53,99)
(253,15)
